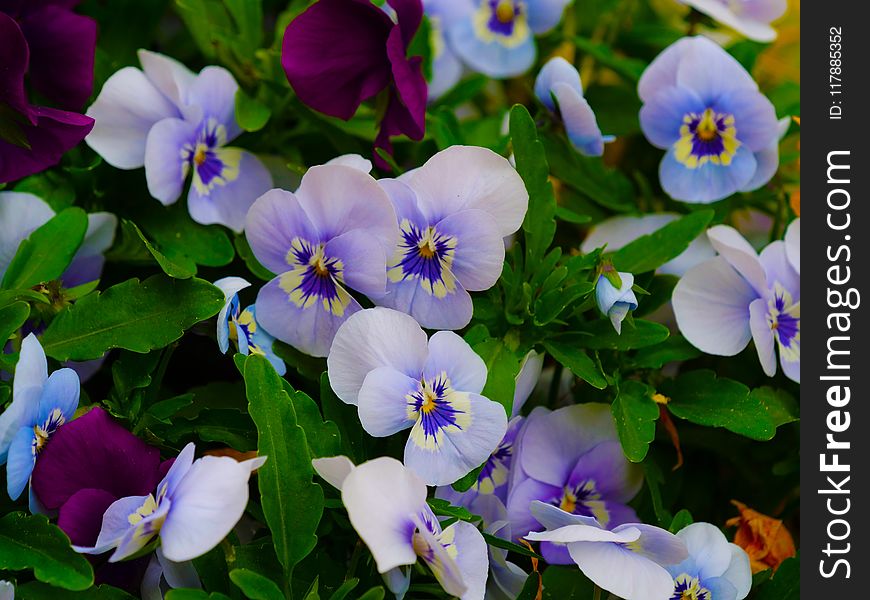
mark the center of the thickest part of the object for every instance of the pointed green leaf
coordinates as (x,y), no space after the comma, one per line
(36,590)
(578,362)
(11,318)
(635,414)
(651,251)
(134,315)
(255,586)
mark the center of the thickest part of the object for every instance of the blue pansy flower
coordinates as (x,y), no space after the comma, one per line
(382,362)
(241,326)
(752,18)
(386,504)
(446,65)
(40,405)
(336,230)
(559,88)
(496,37)
(176,123)
(615,303)
(715,569)
(720,133)
(453,214)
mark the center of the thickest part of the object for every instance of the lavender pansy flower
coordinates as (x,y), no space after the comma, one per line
(628,560)
(7,590)
(40,405)
(21,214)
(446,66)
(382,362)
(335,231)
(705,110)
(715,568)
(339,53)
(386,504)
(241,326)
(752,18)
(35,137)
(496,37)
(175,123)
(571,458)
(739,295)
(453,213)
(617,232)
(558,87)
(615,303)
(193,508)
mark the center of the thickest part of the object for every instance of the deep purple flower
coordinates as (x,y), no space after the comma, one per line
(91,462)
(339,53)
(33,138)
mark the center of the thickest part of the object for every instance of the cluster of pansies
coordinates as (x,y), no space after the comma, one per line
(470,325)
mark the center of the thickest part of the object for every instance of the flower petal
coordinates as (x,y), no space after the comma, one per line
(707,183)
(471,558)
(734,248)
(31,372)
(711,72)
(451,354)
(19,462)
(544,15)
(169,76)
(274,220)
(708,549)
(20,214)
(80,517)
(61,392)
(793,244)
(622,572)
(491,58)
(372,338)
(214,92)
(452,311)
(166,165)
(383,403)
(334,469)
(479,255)
(364,260)
(738,572)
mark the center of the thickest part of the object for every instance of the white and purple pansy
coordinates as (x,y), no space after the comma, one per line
(720,132)
(740,295)
(241,326)
(496,37)
(571,458)
(386,504)
(382,362)
(41,403)
(715,568)
(629,560)
(193,508)
(453,214)
(558,87)
(752,18)
(22,213)
(336,230)
(176,123)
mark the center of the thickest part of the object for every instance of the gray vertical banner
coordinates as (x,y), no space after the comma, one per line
(835,418)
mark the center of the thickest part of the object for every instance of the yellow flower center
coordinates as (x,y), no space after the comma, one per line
(148,507)
(504,11)
(199,154)
(569,501)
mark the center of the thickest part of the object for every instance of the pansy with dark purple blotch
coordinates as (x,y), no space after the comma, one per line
(720,132)
(382,362)
(571,458)
(176,123)
(334,231)
(33,138)
(453,214)
(339,53)
(740,295)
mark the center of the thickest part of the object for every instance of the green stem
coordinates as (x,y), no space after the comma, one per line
(553,392)
(596,593)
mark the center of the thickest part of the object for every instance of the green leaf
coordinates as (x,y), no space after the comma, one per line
(248,18)
(497,542)
(224,425)
(578,362)
(247,255)
(192,594)
(551,304)
(682,519)
(36,590)
(781,406)
(600,335)
(31,542)
(705,399)
(11,318)
(207,22)
(375,593)
(255,586)
(354,440)
(251,114)
(7,297)
(346,588)
(292,503)
(540,224)
(635,414)
(133,315)
(630,68)
(322,436)
(48,251)
(566,583)
(784,585)
(530,587)
(654,480)
(502,367)
(675,348)
(182,267)
(464,483)
(651,251)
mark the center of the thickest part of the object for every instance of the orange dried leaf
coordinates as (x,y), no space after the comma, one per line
(765,539)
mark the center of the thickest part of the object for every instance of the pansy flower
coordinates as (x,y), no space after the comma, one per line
(714,569)
(705,110)
(617,232)
(630,560)
(382,362)
(339,53)
(740,295)
(386,504)
(334,231)
(453,213)
(571,458)
(22,213)
(41,404)
(193,508)
(241,326)
(176,123)
(7,590)
(614,303)
(558,87)
(752,18)
(446,66)
(33,138)
(496,37)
